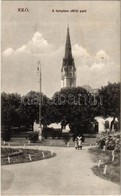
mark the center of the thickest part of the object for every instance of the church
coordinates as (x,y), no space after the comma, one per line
(68,70)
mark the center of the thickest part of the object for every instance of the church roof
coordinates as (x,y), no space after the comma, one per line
(68,58)
(68,53)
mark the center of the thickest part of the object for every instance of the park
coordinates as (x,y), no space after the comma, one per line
(60,136)
(52,165)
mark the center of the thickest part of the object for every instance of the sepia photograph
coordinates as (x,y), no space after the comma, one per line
(60,97)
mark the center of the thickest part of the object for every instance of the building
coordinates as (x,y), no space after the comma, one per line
(68,70)
(104,124)
(57,126)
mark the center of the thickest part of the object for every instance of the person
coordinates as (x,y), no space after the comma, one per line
(79,138)
(76,143)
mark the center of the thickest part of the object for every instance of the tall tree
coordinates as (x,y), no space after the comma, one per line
(111,99)
(73,105)
(10,104)
(29,108)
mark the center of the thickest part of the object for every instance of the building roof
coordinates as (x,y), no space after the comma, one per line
(55,125)
(68,53)
(68,58)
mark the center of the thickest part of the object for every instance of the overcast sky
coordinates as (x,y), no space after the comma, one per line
(40,34)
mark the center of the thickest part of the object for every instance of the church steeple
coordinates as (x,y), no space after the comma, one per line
(68,53)
(68,71)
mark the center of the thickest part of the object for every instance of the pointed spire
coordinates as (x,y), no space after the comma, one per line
(68,53)
(68,70)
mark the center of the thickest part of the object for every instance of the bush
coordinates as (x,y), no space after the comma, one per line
(111,141)
(66,138)
(51,132)
(6,135)
(5,152)
(34,137)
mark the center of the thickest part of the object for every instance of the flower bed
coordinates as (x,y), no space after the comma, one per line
(5,152)
(111,141)
(23,155)
(105,155)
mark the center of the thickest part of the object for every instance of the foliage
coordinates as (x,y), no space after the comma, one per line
(23,157)
(50,132)
(110,100)
(6,135)
(5,152)
(66,137)
(72,105)
(30,108)
(17,110)
(111,141)
(10,104)
(33,137)
(113,167)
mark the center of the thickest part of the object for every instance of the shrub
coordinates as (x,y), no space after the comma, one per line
(34,137)
(6,135)
(5,152)
(66,138)
(117,143)
(51,132)
(111,141)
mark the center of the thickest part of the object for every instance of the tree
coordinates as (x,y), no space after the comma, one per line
(10,104)
(17,110)
(111,99)
(73,105)
(29,108)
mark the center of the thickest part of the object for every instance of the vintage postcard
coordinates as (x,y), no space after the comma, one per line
(60,97)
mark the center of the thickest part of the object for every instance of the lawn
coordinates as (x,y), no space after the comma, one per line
(113,167)
(47,142)
(19,155)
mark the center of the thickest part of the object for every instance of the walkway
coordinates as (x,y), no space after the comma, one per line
(68,173)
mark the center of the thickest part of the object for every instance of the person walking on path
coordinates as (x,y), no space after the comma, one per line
(79,138)
(76,143)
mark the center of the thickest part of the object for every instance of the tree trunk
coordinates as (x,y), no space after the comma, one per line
(32,125)
(112,123)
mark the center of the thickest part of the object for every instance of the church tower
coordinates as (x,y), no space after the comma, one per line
(68,70)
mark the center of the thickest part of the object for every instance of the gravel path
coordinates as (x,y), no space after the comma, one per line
(68,173)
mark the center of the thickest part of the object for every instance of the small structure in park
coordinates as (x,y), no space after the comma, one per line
(55,125)
(58,126)
(55,130)
(66,129)
(36,126)
(105,124)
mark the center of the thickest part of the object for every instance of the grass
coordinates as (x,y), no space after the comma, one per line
(47,142)
(36,155)
(6,151)
(113,167)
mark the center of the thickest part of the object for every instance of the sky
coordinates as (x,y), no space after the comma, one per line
(40,34)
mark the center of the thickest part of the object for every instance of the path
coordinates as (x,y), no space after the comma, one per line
(68,173)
